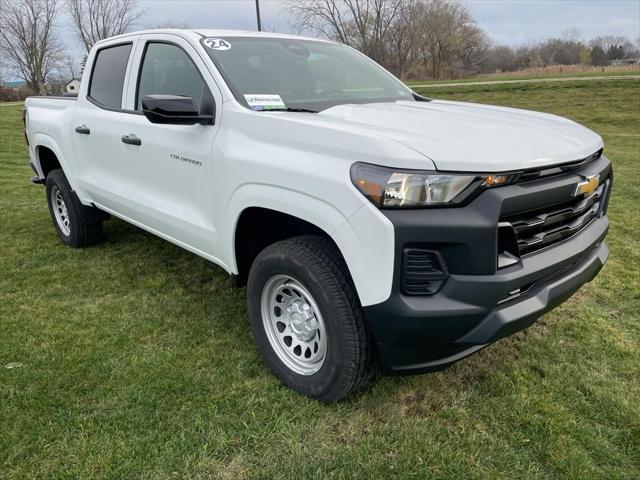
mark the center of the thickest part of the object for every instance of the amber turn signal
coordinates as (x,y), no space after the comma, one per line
(495,180)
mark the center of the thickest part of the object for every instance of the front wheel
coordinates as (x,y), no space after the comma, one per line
(306,318)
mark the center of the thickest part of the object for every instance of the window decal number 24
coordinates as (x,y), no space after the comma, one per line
(217,44)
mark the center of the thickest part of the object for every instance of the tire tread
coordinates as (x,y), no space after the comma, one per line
(83,232)
(322,256)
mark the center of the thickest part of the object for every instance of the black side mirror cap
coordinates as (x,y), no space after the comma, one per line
(173,110)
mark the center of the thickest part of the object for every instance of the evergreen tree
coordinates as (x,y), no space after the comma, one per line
(599,57)
(615,52)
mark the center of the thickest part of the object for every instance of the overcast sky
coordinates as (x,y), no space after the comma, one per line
(512,22)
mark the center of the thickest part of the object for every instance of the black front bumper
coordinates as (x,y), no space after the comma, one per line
(477,305)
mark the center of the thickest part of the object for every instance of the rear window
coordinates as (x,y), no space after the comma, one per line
(107,78)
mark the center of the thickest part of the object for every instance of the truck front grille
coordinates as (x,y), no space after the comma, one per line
(547,226)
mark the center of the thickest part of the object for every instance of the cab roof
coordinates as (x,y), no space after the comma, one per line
(196,34)
(249,33)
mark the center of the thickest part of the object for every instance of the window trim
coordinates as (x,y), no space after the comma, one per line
(141,66)
(93,70)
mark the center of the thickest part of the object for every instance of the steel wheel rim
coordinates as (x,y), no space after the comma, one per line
(294,325)
(60,211)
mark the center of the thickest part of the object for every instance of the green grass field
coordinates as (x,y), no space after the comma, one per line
(134,359)
(497,77)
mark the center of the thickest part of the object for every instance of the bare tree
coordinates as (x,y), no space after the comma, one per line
(325,17)
(29,43)
(3,63)
(68,68)
(499,59)
(556,51)
(571,35)
(95,20)
(441,34)
(449,32)
(363,24)
(403,39)
(473,46)
(607,41)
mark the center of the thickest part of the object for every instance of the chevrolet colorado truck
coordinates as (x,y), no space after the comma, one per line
(375,230)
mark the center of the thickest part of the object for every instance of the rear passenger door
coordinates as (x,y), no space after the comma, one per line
(170,173)
(96,130)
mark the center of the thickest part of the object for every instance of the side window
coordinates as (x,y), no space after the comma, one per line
(168,70)
(107,77)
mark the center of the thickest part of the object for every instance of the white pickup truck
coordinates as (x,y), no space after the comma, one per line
(374,229)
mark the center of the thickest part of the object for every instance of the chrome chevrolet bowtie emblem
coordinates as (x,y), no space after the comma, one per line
(587,186)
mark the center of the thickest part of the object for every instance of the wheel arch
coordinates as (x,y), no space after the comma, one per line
(47,161)
(258,227)
(362,235)
(47,156)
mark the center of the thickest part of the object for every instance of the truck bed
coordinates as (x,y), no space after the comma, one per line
(48,125)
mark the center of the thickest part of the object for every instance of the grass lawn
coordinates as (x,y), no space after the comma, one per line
(487,77)
(134,359)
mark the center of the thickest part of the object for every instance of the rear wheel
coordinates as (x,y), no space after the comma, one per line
(306,318)
(76,224)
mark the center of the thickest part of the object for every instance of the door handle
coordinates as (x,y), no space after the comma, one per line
(131,139)
(83,129)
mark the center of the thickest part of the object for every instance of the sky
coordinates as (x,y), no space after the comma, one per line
(518,22)
(510,22)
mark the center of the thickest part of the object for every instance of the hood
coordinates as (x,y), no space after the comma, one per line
(468,137)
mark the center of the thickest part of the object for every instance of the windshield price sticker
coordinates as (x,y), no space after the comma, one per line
(264,102)
(217,44)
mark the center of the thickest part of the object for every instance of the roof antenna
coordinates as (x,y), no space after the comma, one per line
(258,15)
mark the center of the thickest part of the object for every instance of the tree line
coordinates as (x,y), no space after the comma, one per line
(440,38)
(412,38)
(599,51)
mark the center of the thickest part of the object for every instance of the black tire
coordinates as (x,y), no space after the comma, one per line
(316,263)
(84,224)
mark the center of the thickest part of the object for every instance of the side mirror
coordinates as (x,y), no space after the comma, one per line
(174,110)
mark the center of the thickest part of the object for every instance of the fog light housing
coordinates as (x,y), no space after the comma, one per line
(423,271)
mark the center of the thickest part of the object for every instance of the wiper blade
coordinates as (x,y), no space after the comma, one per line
(289,109)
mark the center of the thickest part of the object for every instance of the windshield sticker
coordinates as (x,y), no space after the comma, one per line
(216,44)
(264,102)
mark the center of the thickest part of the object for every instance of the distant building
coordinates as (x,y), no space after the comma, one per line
(625,61)
(73,86)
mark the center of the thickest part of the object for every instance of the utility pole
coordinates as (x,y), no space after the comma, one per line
(258,15)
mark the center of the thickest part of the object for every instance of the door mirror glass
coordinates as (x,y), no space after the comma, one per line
(173,109)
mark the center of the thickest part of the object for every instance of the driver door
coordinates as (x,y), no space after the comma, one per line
(170,176)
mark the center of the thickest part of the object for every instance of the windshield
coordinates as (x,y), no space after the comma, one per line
(279,73)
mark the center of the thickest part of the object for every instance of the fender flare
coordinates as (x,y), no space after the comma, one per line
(43,140)
(316,211)
(357,248)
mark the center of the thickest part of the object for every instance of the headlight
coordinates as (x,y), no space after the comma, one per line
(391,188)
